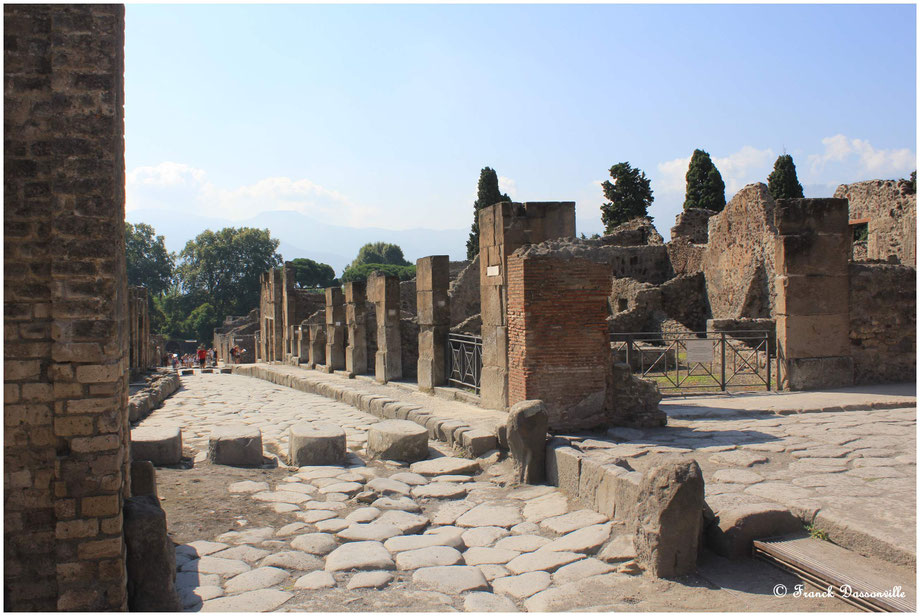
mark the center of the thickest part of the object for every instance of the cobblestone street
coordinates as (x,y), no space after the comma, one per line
(439,535)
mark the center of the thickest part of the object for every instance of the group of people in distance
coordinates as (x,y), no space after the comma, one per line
(204,357)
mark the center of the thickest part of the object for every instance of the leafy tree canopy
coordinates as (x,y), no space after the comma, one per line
(381,253)
(705,188)
(629,196)
(783,182)
(487,193)
(308,274)
(355,273)
(149,264)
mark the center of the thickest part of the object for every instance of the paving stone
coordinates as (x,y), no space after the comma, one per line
(400,503)
(343,487)
(315,543)
(490,515)
(316,443)
(734,475)
(235,445)
(407,523)
(452,479)
(194,579)
(587,540)
(450,579)
(315,581)
(326,505)
(448,513)
(265,600)
(525,528)
(358,555)
(778,491)
(246,553)
(445,466)
(374,531)
(875,472)
(203,548)
(487,602)
(580,595)
(738,458)
(262,577)
(332,525)
(542,560)
(531,492)
(317,472)
(580,570)
(492,572)
(619,549)
(524,585)
(572,521)
(281,497)
(440,490)
(212,564)
(483,536)
(363,515)
(284,507)
(540,508)
(243,487)
(415,542)
(305,488)
(370,579)
(397,439)
(250,536)
(411,479)
(351,476)
(522,543)
(431,556)
(452,534)
(316,515)
(295,560)
(161,445)
(383,485)
(192,598)
(488,556)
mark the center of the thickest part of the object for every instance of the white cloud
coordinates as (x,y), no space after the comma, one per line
(507,185)
(840,149)
(183,188)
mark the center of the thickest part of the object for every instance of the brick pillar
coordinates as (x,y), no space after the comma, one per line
(317,345)
(812,292)
(335,330)
(432,280)
(356,320)
(503,228)
(65,308)
(384,292)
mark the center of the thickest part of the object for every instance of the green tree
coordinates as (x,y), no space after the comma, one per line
(222,268)
(308,274)
(629,195)
(148,262)
(361,272)
(380,252)
(705,188)
(783,182)
(487,193)
(201,322)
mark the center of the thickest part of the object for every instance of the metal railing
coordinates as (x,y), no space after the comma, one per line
(701,360)
(464,361)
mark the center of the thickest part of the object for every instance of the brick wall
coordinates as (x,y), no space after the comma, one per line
(65,303)
(558,344)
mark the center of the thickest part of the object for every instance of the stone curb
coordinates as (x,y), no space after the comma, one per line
(161,385)
(691,412)
(454,432)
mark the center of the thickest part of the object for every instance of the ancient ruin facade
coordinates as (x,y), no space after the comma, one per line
(888,209)
(66,357)
(140,346)
(239,332)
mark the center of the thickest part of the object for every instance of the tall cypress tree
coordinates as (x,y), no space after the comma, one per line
(630,195)
(705,187)
(783,182)
(487,194)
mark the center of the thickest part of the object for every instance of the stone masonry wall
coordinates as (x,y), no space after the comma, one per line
(693,225)
(883,323)
(65,308)
(892,213)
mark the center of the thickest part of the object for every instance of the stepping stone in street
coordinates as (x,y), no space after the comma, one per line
(265,600)
(315,443)
(263,577)
(451,580)
(525,528)
(315,543)
(370,579)
(294,560)
(397,439)
(563,524)
(491,515)
(487,602)
(315,581)
(542,560)
(160,446)
(432,556)
(524,585)
(284,507)
(445,466)
(359,555)
(235,445)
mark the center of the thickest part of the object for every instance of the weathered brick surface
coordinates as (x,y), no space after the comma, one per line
(65,304)
(892,213)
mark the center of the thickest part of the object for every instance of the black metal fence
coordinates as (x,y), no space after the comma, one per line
(680,362)
(464,361)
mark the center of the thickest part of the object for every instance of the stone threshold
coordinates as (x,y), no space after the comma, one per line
(157,386)
(470,429)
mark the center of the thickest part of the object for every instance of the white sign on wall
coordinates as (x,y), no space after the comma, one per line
(699,351)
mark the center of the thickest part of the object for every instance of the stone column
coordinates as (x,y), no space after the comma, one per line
(335,330)
(384,292)
(317,345)
(278,314)
(432,279)
(812,292)
(356,321)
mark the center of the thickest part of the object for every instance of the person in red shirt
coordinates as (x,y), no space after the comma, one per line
(202,356)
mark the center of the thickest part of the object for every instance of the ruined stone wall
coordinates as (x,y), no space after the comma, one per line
(65,308)
(464,294)
(644,263)
(271,313)
(738,261)
(883,322)
(892,213)
(686,257)
(642,307)
(636,232)
(239,331)
(407,298)
(692,225)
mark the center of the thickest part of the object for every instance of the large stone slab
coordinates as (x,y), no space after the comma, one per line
(256,579)
(504,516)
(431,556)
(266,600)
(453,579)
(445,466)
(235,445)
(360,555)
(736,529)
(161,446)
(397,439)
(316,444)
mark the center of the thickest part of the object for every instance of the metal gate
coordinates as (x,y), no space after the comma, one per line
(681,362)
(464,361)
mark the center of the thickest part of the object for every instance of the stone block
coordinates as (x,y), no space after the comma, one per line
(563,466)
(811,295)
(433,308)
(812,254)
(526,433)
(736,529)
(493,387)
(150,557)
(397,439)
(818,373)
(235,445)
(478,442)
(161,446)
(796,216)
(813,336)
(316,444)
(618,492)
(355,292)
(493,309)
(143,478)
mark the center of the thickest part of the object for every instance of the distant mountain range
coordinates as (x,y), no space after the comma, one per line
(305,237)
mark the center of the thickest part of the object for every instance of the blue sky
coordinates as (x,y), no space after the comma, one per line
(372,115)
